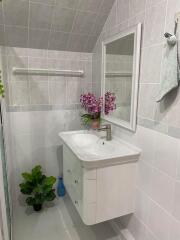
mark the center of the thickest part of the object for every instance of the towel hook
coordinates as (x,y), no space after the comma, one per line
(167,35)
(177,17)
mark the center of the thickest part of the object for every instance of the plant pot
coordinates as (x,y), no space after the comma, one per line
(95,124)
(37,207)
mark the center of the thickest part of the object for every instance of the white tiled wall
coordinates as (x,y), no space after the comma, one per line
(35,141)
(157,215)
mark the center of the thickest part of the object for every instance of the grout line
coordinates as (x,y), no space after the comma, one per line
(71,32)
(29,87)
(38,3)
(46,29)
(51,27)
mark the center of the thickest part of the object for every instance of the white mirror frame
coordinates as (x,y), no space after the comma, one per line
(135,76)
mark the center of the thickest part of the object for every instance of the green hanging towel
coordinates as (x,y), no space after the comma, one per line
(170,69)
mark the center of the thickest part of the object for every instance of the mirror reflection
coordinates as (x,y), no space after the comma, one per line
(118,74)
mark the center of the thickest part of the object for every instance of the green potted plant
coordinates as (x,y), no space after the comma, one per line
(38,187)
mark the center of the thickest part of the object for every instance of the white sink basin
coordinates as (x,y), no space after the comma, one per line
(95,151)
(84,139)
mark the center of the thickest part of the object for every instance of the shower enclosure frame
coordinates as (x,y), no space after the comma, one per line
(4,196)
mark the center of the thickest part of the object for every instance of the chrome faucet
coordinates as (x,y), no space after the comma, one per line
(107,129)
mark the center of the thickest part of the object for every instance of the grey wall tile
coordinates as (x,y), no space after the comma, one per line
(1,14)
(19,93)
(40,15)
(16,36)
(16,51)
(58,40)
(63,19)
(136,6)
(154,24)
(74,90)
(90,44)
(41,53)
(15,61)
(99,23)
(147,95)
(84,22)
(122,10)
(57,90)
(50,2)
(106,6)
(172,8)
(67,4)
(89,5)
(77,42)
(139,18)
(4,68)
(37,78)
(151,57)
(16,12)
(37,62)
(38,38)
(39,93)
(2,37)
(112,19)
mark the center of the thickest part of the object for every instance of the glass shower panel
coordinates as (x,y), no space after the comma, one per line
(4,193)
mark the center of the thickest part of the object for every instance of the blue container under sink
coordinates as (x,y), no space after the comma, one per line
(60,187)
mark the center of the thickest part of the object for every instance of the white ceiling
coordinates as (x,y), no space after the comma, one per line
(67,25)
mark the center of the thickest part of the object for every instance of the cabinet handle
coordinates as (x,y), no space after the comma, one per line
(76,202)
(76,181)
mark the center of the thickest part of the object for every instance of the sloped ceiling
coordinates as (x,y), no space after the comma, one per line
(66,25)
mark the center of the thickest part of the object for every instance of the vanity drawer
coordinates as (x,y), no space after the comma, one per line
(80,183)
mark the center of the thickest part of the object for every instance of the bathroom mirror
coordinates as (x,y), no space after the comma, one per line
(120,75)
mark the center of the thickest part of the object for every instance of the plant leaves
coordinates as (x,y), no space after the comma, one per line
(26,188)
(49,181)
(50,196)
(27,176)
(30,201)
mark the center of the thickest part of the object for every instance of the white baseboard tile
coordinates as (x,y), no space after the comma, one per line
(123,233)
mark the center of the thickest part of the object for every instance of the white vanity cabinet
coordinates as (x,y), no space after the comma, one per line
(99,193)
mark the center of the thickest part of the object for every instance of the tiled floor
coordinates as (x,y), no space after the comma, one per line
(58,222)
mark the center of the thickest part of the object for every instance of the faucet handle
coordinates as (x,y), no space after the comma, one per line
(106,126)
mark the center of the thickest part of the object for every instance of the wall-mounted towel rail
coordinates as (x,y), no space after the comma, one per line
(38,71)
(118,74)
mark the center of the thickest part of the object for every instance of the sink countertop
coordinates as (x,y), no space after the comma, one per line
(95,151)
